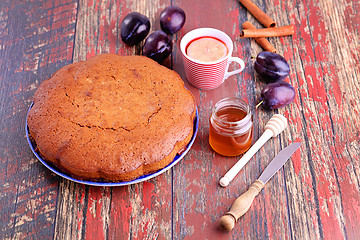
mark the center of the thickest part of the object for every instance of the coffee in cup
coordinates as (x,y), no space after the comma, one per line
(207,55)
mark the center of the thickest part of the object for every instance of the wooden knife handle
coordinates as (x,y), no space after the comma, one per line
(241,205)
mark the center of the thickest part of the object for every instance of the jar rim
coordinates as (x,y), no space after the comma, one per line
(234,101)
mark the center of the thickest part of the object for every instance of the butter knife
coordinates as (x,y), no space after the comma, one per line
(243,203)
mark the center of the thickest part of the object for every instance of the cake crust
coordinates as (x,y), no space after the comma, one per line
(112,118)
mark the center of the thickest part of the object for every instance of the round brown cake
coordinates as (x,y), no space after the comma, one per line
(111,118)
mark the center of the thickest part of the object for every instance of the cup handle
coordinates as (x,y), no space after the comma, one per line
(237,60)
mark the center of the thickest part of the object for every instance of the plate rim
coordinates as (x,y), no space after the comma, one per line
(55,170)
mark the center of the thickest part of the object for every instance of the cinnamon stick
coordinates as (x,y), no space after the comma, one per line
(262,17)
(268,32)
(263,42)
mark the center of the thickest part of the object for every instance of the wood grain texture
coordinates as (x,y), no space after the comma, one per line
(209,166)
(316,195)
(36,39)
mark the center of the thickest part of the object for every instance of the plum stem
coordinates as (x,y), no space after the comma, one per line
(257,105)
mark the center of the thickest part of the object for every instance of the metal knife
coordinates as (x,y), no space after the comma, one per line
(243,203)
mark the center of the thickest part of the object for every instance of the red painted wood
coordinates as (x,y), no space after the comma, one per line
(315,195)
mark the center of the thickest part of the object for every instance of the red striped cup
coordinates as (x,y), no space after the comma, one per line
(208,75)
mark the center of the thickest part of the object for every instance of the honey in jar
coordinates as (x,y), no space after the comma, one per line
(231,127)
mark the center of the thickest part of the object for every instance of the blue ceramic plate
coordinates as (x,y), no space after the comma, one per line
(113,184)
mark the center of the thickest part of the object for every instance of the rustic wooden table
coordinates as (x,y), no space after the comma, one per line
(316,195)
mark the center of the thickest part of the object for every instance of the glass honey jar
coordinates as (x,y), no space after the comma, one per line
(231,127)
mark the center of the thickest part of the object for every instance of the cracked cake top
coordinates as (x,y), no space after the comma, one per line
(112,117)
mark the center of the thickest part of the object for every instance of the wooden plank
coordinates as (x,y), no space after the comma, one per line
(319,119)
(199,200)
(140,211)
(324,82)
(36,38)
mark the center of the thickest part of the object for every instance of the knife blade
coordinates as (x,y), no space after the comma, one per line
(243,203)
(279,160)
